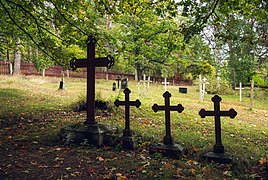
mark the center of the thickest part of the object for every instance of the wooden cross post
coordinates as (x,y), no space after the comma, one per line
(127,131)
(90,63)
(240,91)
(165,83)
(167,108)
(149,81)
(217,113)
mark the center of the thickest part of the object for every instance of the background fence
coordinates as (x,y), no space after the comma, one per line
(57,71)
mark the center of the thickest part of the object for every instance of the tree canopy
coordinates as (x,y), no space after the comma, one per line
(146,36)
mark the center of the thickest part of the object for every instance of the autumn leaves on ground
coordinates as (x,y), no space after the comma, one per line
(33,111)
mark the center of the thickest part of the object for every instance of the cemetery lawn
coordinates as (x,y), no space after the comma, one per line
(33,111)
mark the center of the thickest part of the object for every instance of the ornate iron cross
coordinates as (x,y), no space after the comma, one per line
(167,108)
(127,104)
(90,63)
(218,147)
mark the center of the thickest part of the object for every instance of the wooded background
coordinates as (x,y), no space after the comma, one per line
(221,39)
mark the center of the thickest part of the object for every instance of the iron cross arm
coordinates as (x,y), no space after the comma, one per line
(98,62)
(178,108)
(136,103)
(231,113)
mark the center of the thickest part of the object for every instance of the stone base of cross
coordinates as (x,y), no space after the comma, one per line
(174,151)
(219,158)
(84,134)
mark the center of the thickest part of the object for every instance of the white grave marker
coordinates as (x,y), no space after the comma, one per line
(251,94)
(202,87)
(165,83)
(240,91)
(148,81)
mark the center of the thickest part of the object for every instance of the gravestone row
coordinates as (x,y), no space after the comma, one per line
(99,134)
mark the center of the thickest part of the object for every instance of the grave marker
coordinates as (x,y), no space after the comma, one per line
(62,82)
(91,131)
(251,94)
(127,139)
(91,62)
(118,82)
(218,154)
(165,83)
(139,85)
(168,148)
(202,87)
(114,86)
(240,91)
(149,81)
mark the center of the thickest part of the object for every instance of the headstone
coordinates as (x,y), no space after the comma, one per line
(62,82)
(127,138)
(218,154)
(114,86)
(168,148)
(96,134)
(118,82)
(183,90)
(124,83)
(240,91)
(165,83)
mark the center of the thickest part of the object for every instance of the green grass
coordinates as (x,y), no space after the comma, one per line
(29,99)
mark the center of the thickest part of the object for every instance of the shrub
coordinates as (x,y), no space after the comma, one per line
(216,86)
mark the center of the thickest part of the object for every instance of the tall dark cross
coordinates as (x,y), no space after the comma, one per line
(218,147)
(167,108)
(90,63)
(127,131)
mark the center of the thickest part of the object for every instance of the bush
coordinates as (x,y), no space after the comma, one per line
(218,86)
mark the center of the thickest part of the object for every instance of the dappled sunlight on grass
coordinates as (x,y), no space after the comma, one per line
(35,109)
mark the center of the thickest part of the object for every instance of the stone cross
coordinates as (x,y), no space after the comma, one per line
(167,108)
(165,83)
(240,91)
(90,63)
(217,113)
(118,81)
(127,131)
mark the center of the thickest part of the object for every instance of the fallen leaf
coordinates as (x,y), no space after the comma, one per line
(262,161)
(43,166)
(168,165)
(99,158)
(91,171)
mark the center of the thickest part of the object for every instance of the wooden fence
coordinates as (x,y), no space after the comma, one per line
(57,71)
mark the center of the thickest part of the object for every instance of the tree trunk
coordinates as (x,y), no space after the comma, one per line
(17,59)
(137,72)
